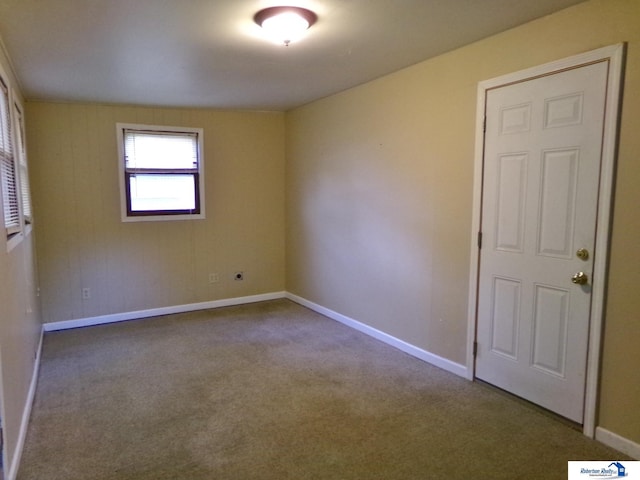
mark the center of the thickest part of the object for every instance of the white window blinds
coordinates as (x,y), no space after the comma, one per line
(11,207)
(160,151)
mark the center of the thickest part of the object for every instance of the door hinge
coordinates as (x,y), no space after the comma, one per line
(484,124)
(475,348)
(479,239)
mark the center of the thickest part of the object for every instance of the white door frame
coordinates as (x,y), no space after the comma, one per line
(614,55)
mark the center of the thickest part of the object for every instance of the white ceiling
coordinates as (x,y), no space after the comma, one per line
(209,53)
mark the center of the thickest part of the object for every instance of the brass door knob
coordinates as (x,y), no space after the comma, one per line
(583,254)
(580,278)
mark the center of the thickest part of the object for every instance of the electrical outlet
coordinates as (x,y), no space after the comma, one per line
(86,293)
(238,276)
(214,278)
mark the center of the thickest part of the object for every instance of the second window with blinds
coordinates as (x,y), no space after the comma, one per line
(161,172)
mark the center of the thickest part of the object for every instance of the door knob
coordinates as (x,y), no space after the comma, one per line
(580,278)
(583,254)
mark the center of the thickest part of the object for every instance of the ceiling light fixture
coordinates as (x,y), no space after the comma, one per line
(285,24)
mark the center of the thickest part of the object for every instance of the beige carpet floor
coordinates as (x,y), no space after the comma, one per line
(274,391)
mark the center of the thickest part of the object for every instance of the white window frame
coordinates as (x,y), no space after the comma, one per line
(22,167)
(120,131)
(15,234)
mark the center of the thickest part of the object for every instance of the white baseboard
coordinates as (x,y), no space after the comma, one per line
(621,444)
(419,353)
(431,358)
(154,312)
(603,435)
(12,471)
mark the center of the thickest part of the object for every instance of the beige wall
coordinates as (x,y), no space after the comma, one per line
(379,195)
(82,242)
(19,323)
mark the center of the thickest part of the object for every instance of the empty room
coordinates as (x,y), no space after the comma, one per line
(397,241)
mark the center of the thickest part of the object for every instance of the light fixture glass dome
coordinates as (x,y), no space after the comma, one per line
(285,24)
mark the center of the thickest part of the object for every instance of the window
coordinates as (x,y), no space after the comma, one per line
(161,172)
(25,190)
(8,177)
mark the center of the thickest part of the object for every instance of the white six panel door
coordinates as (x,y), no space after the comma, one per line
(542,156)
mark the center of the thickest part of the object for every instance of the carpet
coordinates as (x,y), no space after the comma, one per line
(274,391)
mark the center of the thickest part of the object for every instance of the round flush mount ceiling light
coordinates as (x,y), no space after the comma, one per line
(285,24)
